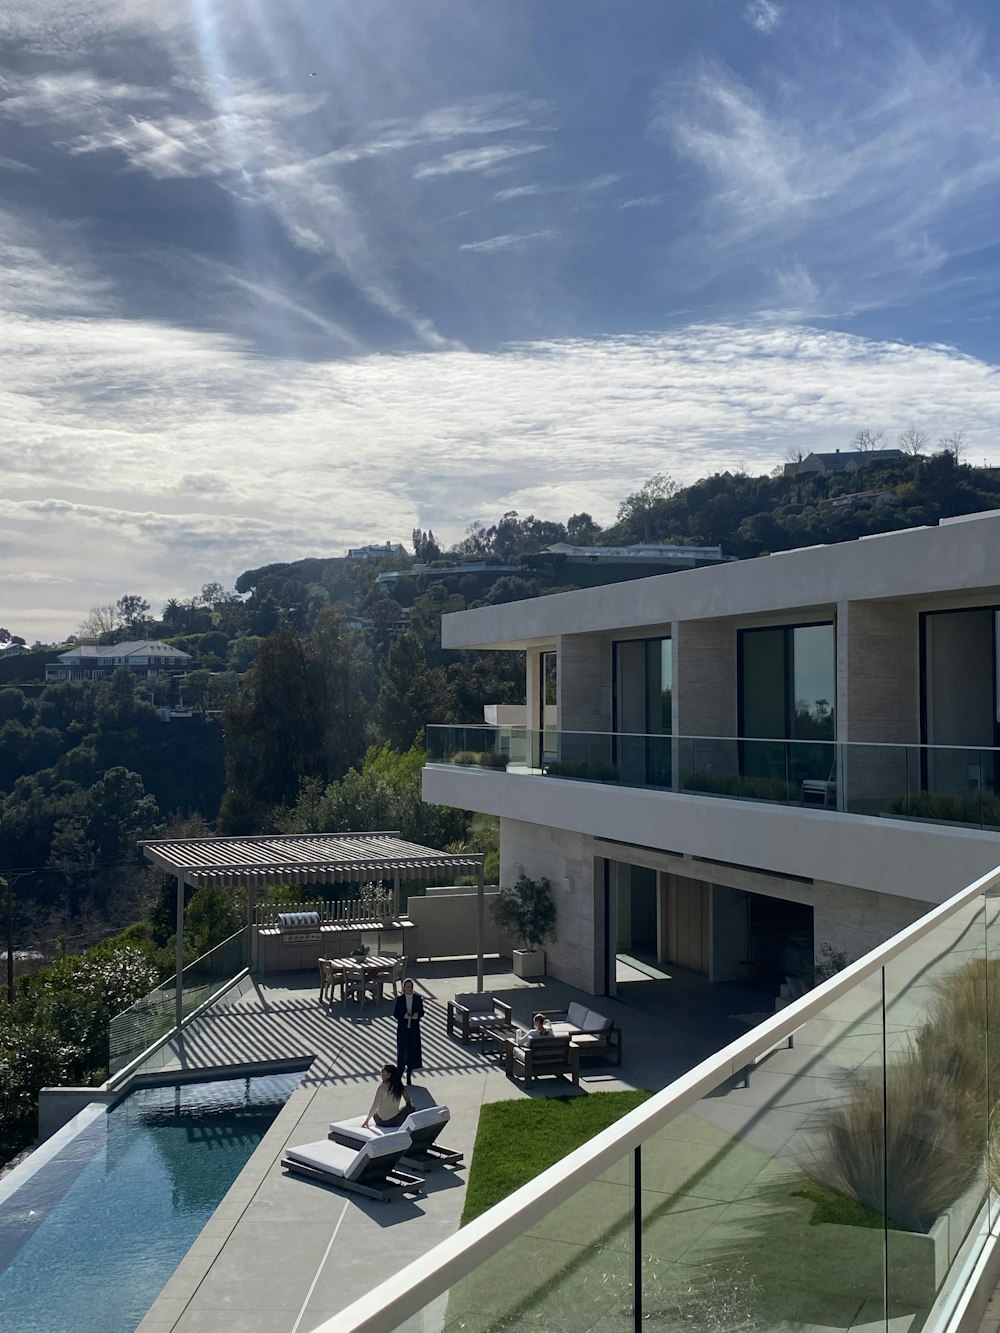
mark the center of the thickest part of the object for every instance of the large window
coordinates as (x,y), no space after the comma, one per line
(961,719)
(787,687)
(643,707)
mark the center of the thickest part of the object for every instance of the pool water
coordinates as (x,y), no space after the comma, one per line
(89,1240)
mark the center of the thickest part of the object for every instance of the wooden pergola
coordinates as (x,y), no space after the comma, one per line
(260,863)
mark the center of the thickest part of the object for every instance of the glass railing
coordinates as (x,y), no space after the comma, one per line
(929,783)
(145,1022)
(828,1170)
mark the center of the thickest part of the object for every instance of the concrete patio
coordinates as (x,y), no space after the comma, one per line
(283,1253)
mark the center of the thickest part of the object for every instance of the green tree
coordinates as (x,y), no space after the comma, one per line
(300,714)
(411,694)
(384,791)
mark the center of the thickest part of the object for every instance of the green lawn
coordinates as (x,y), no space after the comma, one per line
(517,1140)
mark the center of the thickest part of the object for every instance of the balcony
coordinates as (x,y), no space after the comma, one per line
(950,785)
(831,1170)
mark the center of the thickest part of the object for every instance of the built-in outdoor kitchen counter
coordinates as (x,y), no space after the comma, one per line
(295,937)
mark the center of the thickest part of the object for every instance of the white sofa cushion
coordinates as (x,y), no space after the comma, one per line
(595,1022)
(563,1029)
(576,1013)
(476,1002)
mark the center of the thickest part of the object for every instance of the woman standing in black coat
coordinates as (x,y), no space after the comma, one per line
(408,1011)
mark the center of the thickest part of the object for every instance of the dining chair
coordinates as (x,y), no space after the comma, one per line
(326,980)
(396,976)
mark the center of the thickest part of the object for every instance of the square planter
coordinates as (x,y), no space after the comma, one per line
(529,962)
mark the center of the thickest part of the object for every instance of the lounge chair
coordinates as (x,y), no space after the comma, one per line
(476,1014)
(371,1169)
(423,1127)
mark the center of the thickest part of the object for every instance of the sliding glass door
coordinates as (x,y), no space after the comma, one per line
(787,687)
(643,703)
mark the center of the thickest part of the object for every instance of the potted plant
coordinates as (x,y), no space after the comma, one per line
(528,913)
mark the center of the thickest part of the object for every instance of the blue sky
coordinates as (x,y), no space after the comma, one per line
(277,277)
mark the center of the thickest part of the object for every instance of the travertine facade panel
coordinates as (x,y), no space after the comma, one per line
(584,695)
(567,861)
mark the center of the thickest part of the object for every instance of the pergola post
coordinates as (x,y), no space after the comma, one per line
(480,923)
(179,956)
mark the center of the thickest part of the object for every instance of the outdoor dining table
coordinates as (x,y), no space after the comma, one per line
(363,970)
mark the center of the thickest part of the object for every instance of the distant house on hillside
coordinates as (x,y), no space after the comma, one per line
(12,649)
(642,553)
(375,552)
(145,657)
(861,500)
(838,462)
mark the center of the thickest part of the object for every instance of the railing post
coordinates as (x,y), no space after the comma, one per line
(637,1239)
(179,957)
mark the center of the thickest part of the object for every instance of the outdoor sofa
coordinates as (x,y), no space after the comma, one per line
(423,1127)
(590,1033)
(371,1169)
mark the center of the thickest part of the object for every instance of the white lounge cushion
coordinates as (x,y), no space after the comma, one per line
(416,1120)
(476,1002)
(563,1029)
(576,1013)
(425,1118)
(348,1163)
(595,1022)
(332,1158)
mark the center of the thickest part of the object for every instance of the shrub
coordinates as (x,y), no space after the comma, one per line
(527,912)
(593,770)
(493,759)
(947,809)
(924,1153)
(732,784)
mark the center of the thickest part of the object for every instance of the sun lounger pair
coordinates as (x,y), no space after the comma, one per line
(423,1127)
(372,1169)
(369,1160)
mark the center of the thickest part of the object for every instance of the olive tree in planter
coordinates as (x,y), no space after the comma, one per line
(528,913)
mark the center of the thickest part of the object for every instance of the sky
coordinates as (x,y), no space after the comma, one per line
(278,277)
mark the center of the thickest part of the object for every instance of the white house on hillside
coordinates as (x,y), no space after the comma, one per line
(145,657)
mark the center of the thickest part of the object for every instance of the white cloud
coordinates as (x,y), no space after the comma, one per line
(31,576)
(475,159)
(159,458)
(763,15)
(643,201)
(876,172)
(514,240)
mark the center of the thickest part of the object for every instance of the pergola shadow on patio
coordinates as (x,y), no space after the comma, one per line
(260,863)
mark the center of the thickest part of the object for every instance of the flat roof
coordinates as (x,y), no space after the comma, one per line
(960,555)
(304,858)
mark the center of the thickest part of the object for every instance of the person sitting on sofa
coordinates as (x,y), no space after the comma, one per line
(540,1027)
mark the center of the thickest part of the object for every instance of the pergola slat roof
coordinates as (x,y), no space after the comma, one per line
(307,858)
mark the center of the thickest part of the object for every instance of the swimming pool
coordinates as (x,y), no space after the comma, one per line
(88,1241)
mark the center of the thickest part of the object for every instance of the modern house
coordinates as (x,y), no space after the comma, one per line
(750,762)
(375,551)
(842,462)
(144,657)
(641,553)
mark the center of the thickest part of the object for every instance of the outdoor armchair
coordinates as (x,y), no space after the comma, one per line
(545,1055)
(475,1014)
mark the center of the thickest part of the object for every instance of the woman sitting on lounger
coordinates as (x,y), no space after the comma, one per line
(540,1027)
(386,1110)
